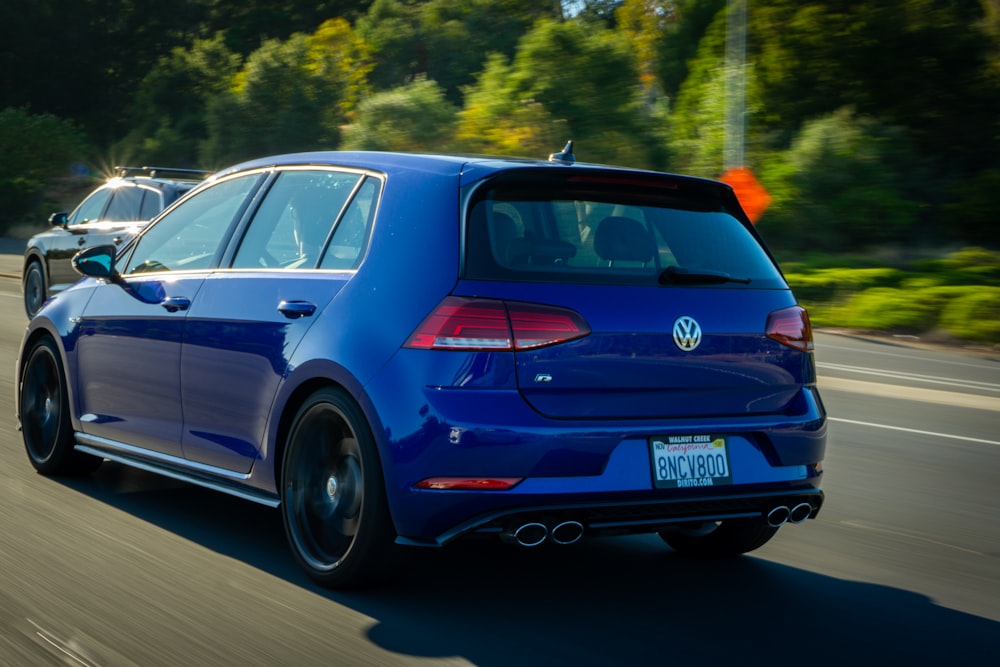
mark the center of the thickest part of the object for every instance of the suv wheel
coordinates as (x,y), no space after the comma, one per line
(34,289)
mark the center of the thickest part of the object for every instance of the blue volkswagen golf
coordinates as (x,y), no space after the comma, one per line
(412,349)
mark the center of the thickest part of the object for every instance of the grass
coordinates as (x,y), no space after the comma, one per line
(955,296)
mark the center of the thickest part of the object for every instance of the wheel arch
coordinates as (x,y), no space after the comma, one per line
(34,254)
(294,402)
(31,339)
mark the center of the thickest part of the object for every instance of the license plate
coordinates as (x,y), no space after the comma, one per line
(681,461)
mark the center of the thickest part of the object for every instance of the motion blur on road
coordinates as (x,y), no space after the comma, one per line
(901,567)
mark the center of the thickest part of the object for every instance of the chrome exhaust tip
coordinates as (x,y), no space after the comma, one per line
(567,532)
(800,513)
(778,516)
(529,534)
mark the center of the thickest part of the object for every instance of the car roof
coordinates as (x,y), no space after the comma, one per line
(433,163)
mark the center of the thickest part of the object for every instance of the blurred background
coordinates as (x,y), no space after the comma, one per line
(873,127)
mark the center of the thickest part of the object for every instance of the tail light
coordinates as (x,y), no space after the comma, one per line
(460,323)
(790,326)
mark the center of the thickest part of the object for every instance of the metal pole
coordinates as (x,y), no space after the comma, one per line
(735,84)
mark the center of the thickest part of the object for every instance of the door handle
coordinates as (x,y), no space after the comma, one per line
(175,303)
(293,310)
(82,240)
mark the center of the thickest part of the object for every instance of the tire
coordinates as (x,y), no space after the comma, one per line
(333,494)
(34,289)
(45,421)
(719,539)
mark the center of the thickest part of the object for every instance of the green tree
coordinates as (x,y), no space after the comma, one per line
(848,182)
(697,116)
(246,25)
(415,117)
(82,59)
(568,80)
(168,117)
(290,95)
(35,148)
(445,40)
(920,64)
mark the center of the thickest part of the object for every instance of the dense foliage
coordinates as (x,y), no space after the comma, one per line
(870,124)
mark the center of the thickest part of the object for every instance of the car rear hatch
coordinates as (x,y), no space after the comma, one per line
(657,297)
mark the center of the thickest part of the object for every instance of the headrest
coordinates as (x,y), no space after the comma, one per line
(618,238)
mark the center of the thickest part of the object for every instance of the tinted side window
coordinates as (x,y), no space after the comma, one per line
(190,235)
(152,203)
(350,238)
(125,204)
(291,227)
(90,209)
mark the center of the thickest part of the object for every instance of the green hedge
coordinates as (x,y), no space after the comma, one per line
(956,295)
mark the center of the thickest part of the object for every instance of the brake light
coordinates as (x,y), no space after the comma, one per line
(791,327)
(626,181)
(461,323)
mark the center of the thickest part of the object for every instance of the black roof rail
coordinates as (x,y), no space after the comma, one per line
(153,172)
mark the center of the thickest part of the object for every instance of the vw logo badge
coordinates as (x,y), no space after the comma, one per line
(687,333)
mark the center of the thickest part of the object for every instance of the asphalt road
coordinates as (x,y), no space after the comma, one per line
(902,567)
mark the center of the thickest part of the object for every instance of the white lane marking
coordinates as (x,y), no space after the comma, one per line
(905,393)
(65,648)
(915,431)
(936,360)
(916,377)
(862,526)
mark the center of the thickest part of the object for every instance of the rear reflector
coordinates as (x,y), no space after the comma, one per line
(790,326)
(468,483)
(461,323)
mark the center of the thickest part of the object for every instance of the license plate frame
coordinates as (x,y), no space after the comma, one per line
(690,461)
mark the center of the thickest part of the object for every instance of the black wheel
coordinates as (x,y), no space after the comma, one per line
(34,289)
(716,539)
(45,422)
(336,516)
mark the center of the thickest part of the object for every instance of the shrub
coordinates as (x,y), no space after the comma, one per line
(35,148)
(974,315)
(890,309)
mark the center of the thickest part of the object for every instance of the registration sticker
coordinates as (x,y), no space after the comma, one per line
(681,461)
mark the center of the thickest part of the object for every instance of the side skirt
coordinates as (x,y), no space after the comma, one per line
(210,477)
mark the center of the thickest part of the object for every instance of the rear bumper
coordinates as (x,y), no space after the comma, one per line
(624,518)
(621,498)
(577,468)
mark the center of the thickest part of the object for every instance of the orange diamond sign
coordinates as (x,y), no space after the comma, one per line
(753,197)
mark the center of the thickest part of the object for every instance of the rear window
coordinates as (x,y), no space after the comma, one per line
(607,228)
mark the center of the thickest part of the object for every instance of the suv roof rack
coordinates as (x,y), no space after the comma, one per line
(153,172)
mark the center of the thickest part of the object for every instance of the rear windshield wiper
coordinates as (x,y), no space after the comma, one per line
(675,275)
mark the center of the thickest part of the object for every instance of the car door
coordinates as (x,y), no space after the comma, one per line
(111,215)
(66,240)
(249,319)
(129,350)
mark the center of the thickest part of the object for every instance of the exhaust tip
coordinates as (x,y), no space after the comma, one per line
(529,534)
(567,532)
(800,513)
(778,516)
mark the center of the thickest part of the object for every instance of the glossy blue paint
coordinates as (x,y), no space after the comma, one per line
(214,385)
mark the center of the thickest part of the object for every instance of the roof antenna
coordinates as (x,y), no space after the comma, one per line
(566,155)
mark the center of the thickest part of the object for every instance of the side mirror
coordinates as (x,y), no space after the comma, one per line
(97,262)
(59,219)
